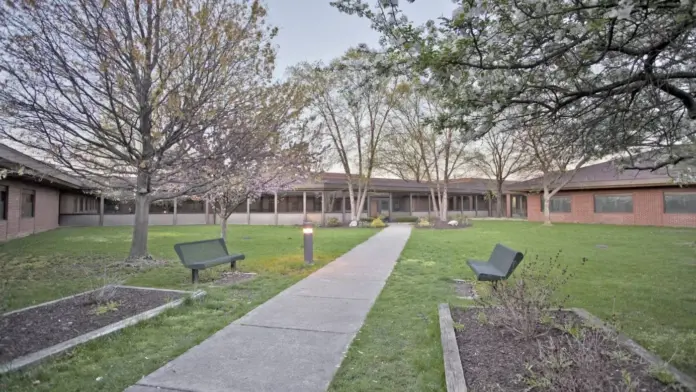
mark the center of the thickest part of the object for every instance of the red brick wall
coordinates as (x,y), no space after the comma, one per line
(648,208)
(46,206)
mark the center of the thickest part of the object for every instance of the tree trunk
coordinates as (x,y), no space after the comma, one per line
(433,199)
(223,228)
(142,216)
(353,203)
(499,205)
(547,209)
(444,207)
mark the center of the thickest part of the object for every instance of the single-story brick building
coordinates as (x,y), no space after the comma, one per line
(30,201)
(602,194)
(35,197)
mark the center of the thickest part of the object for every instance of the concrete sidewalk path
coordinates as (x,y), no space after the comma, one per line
(296,340)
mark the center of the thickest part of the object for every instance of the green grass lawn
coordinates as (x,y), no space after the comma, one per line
(70,260)
(646,275)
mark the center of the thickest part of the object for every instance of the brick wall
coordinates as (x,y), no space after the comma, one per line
(46,206)
(648,208)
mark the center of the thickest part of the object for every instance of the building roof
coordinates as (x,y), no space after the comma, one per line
(35,170)
(604,175)
(337,181)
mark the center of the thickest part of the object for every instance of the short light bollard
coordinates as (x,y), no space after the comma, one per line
(308,233)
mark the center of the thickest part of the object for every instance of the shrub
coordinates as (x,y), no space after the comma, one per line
(377,223)
(333,222)
(577,363)
(406,219)
(523,302)
(367,219)
(423,222)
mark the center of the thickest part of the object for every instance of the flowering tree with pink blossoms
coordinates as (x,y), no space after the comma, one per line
(272,148)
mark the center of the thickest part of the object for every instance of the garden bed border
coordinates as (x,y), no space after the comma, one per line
(41,355)
(454,373)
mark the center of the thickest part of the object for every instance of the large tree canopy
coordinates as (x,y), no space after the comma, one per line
(631,63)
(120,92)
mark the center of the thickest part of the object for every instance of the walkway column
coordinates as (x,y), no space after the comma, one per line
(174,218)
(275,207)
(207,210)
(101,210)
(475,205)
(343,209)
(410,204)
(508,205)
(323,208)
(304,206)
(461,205)
(369,207)
(248,211)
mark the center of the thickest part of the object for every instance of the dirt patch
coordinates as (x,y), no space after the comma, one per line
(494,359)
(464,289)
(234,277)
(34,329)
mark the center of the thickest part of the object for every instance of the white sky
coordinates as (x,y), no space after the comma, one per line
(312,30)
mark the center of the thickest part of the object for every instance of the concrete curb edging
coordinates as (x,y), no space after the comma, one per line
(451,355)
(454,374)
(652,359)
(41,355)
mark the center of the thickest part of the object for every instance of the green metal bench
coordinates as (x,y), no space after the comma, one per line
(500,265)
(204,254)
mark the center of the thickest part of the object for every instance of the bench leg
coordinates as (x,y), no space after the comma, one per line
(194,276)
(233,265)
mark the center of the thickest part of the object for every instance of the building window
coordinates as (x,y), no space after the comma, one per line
(557,204)
(680,203)
(613,203)
(28,201)
(3,203)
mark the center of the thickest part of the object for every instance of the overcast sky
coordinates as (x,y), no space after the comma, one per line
(312,30)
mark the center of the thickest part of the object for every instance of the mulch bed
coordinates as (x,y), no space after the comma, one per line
(32,330)
(439,225)
(495,359)
(234,277)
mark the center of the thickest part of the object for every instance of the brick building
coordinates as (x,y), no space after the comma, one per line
(602,194)
(29,203)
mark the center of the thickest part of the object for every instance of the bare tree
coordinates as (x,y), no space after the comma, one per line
(120,92)
(500,156)
(400,155)
(438,146)
(353,103)
(557,157)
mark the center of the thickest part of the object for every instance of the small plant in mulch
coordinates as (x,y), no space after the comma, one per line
(520,339)
(108,307)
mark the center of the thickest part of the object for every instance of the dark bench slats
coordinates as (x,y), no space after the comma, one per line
(200,255)
(500,265)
